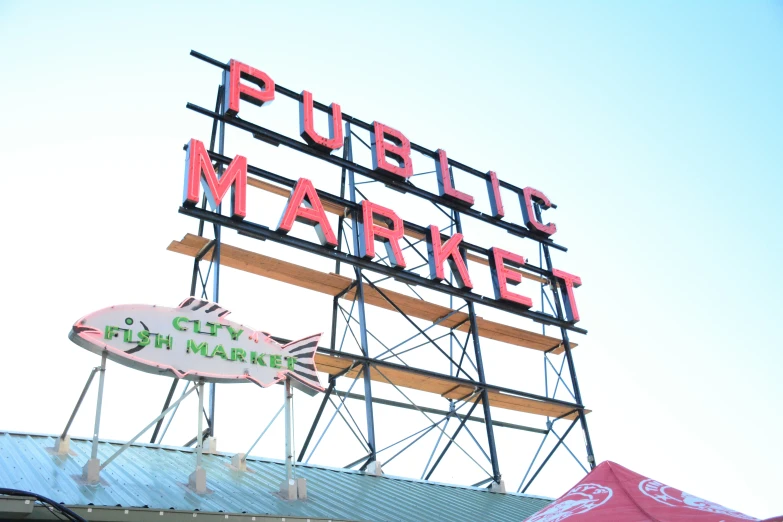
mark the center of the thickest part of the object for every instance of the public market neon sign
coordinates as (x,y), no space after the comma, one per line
(391,156)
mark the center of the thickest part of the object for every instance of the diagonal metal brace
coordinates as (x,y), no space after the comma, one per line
(151,424)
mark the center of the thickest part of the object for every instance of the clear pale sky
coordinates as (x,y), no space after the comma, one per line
(656,127)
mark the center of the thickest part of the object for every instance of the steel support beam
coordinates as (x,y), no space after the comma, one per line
(360,303)
(569,357)
(493,452)
(99,404)
(436,411)
(551,452)
(426,373)
(165,407)
(451,440)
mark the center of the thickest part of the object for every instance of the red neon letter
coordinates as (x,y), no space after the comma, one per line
(307,129)
(502,276)
(495,203)
(446,184)
(391,236)
(529,195)
(312,213)
(399,150)
(197,162)
(567,284)
(449,252)
(236,89)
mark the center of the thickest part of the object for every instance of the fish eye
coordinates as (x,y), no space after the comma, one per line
(128,321)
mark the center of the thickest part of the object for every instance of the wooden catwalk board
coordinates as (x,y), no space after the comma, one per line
(333,284)
(442,385)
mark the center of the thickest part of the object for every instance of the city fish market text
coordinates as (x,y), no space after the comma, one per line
(195,347)
(195,341)
(391,159)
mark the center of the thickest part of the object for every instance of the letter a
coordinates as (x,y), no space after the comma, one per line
(312,213)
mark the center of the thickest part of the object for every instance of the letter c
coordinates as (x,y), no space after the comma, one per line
(176,323)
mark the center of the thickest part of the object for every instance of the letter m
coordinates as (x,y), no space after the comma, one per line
(201,348)
(199,171)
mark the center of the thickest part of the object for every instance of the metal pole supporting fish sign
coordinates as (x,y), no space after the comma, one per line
(291,488)
(97,429)
(289,457)
(79,403)
(91,470)
(198,479)
(200,445)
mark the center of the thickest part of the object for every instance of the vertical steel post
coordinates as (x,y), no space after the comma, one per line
(360,305)
(215,296)
(569,357)
(493,452)
(96,430)
(216,251)
(341,219)
(340,226)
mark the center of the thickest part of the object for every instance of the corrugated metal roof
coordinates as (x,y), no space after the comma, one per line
(156,477)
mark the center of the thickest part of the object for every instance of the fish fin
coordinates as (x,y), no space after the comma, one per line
(195,304)
(304,369)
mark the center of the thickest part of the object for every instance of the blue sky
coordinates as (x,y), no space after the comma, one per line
(657,128)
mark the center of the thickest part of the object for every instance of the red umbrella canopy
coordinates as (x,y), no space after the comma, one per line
(613,493)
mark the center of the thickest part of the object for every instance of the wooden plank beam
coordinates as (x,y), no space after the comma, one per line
(443,386)
(333,284)
(339,210)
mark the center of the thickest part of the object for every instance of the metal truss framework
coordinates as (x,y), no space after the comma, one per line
(350,323)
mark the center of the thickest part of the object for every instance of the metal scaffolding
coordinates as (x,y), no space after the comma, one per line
(372,356)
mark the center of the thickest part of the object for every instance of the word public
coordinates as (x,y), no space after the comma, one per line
(391,155)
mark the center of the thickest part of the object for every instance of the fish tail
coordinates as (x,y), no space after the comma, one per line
(304,368)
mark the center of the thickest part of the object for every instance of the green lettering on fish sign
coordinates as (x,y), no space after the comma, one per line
(234,333)
(127,335)
(275,361)
(110,331)
(238,354)
(219,351)
(144,338)
(160,340)
(213,328)
(257,358)
(291,362)
(177,323)
(201,348)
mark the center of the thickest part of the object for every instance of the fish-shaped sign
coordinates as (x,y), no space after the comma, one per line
(195,341)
